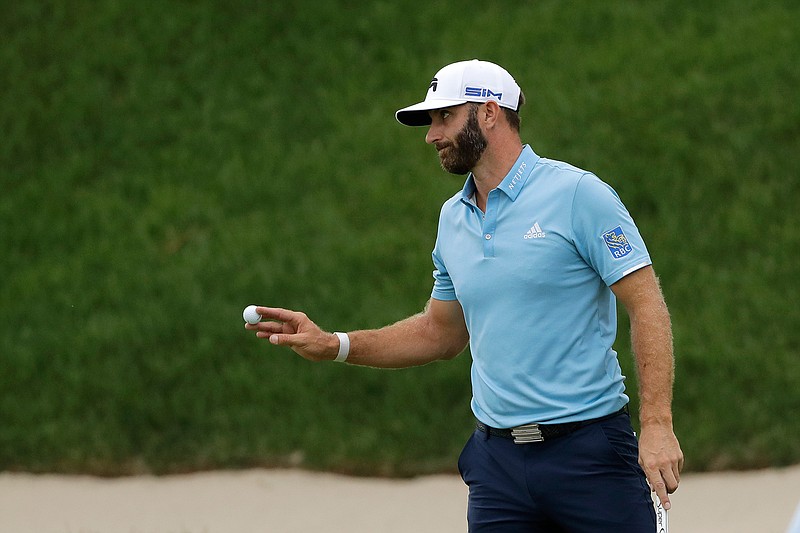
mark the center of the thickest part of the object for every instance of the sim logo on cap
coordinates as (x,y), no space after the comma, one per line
(481,92)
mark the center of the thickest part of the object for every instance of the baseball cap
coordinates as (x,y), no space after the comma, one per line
(461,82)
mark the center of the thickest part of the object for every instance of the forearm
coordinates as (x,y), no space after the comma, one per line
(651,341)
(414,341)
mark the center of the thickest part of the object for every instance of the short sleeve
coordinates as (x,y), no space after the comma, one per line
(604,231)
(443,288)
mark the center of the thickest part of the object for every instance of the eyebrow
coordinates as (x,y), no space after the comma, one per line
(443,109)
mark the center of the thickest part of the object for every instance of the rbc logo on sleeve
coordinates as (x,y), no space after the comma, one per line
(617,243)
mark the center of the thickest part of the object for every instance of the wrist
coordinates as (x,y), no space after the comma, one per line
(655,419)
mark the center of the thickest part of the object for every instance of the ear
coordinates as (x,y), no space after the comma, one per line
(491,113)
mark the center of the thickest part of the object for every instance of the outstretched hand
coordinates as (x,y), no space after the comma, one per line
(294,329)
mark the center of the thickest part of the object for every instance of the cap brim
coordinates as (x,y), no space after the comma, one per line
(417,114)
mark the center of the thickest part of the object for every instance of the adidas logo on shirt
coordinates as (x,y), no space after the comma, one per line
(535,232)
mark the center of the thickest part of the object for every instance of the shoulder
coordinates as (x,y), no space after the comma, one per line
(585,184)
(558,180)
(559,174)
(560,169)
(563,169)
(590,188)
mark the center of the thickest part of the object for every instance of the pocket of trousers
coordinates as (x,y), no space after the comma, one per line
(621,439)
(463,458)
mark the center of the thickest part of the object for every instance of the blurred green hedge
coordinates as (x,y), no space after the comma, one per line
(163,165)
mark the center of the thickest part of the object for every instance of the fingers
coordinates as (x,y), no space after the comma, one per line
(278,333)
(662,495)
(671,467)
(279,314)
(664,479)
(661,487)
(671,480)
(277,320)
(270,327)
(283,339)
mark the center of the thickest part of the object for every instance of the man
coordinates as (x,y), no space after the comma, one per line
(530,258)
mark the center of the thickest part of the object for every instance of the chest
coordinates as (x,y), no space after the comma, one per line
(514,247)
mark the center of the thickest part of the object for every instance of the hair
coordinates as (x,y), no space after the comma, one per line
(512,116)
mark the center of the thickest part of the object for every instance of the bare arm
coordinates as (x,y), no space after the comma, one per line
(438,332)
(651,339)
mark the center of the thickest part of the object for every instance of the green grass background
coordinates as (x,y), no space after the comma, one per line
(164,164)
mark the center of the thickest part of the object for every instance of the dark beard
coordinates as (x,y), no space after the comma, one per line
(461,156)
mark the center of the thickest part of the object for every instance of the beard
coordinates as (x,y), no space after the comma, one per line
(461,155)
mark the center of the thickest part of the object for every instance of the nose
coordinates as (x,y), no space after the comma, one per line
(433,134)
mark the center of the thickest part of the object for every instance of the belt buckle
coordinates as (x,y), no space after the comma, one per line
(527,433)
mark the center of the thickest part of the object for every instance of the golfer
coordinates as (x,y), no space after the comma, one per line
(530,258)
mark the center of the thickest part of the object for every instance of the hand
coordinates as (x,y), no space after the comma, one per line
(661,458)
(294,329)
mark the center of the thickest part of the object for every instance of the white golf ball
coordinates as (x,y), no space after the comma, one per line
(250,316)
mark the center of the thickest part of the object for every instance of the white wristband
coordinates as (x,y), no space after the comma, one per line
(344,347)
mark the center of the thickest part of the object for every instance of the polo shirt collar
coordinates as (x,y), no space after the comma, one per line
(514,181)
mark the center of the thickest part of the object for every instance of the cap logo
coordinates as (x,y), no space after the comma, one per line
(482,92)
(434,84)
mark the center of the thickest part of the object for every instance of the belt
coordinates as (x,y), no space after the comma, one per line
(541,432)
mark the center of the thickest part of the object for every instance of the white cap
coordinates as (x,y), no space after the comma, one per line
(458,83)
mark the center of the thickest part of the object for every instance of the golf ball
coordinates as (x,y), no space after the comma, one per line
(250,316)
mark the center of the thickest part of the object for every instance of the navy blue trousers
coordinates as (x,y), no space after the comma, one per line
(587,481)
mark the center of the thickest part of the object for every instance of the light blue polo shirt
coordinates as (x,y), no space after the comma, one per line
(532,275)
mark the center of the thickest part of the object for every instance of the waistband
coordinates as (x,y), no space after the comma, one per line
(528,433)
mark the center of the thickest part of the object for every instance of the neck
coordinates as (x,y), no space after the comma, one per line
(494,165)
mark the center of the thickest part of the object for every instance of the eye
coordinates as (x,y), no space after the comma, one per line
(440,114)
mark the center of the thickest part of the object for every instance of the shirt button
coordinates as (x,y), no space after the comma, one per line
(488,236)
